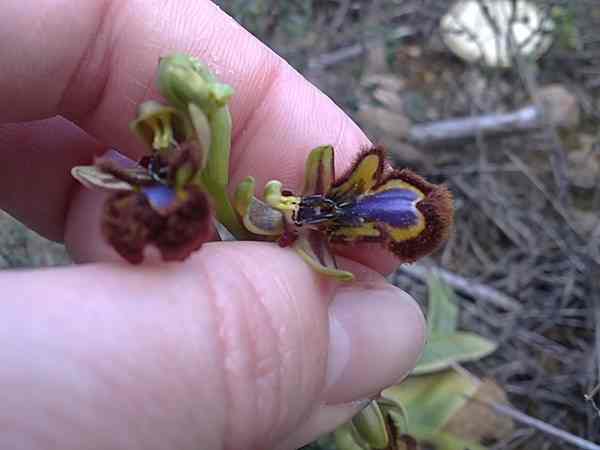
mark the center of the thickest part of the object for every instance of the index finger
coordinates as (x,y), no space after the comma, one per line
(98,68)
(97,61)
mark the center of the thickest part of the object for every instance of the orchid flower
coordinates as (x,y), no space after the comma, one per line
(369,203)
(167,199)
(155,201)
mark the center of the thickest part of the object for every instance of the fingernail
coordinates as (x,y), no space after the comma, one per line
(376,335)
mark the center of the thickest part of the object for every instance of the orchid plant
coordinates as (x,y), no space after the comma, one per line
(167,199)
(171,197)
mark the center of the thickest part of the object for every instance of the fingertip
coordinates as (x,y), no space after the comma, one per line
(83,236)
(377,334)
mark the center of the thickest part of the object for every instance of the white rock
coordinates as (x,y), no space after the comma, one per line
(467,31)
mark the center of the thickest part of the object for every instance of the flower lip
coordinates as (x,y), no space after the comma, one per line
(153,202)
(130,223)
(408,215)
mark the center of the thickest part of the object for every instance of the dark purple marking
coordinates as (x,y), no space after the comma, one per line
(395,207)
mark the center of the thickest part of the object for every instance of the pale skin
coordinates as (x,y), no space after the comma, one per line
(240,346)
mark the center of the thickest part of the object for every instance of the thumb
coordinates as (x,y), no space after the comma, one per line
(237,347)
(271,353)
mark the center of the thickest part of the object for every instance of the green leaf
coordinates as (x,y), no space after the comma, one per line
(346,439)
(444,351)
(431,400)
(442,312)
(448,441)
(326,442)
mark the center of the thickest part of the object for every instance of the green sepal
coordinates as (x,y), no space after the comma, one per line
(203,132)
(243,195)
(314,249)
(94,178)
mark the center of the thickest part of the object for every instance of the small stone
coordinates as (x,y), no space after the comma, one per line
(584,169)
(389,123)
(385,89)
(389,99)
(586,221)
(560,105)
(406,154)
(385,81)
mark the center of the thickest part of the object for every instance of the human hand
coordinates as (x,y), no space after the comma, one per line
(240,346)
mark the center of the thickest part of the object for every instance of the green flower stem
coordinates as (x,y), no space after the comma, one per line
(215,177)
(217,165)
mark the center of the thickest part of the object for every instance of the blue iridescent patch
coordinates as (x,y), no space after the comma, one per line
(395,207)
(160,196)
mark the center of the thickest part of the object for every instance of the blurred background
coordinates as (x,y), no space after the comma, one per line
(510,122)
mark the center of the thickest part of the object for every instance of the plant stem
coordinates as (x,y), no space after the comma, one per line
(215,177)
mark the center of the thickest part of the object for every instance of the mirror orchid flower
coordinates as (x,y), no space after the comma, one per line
(370,203)
(168,198)
(155,201)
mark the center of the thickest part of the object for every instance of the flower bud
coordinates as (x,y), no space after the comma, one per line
(183,80)
(371,426)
